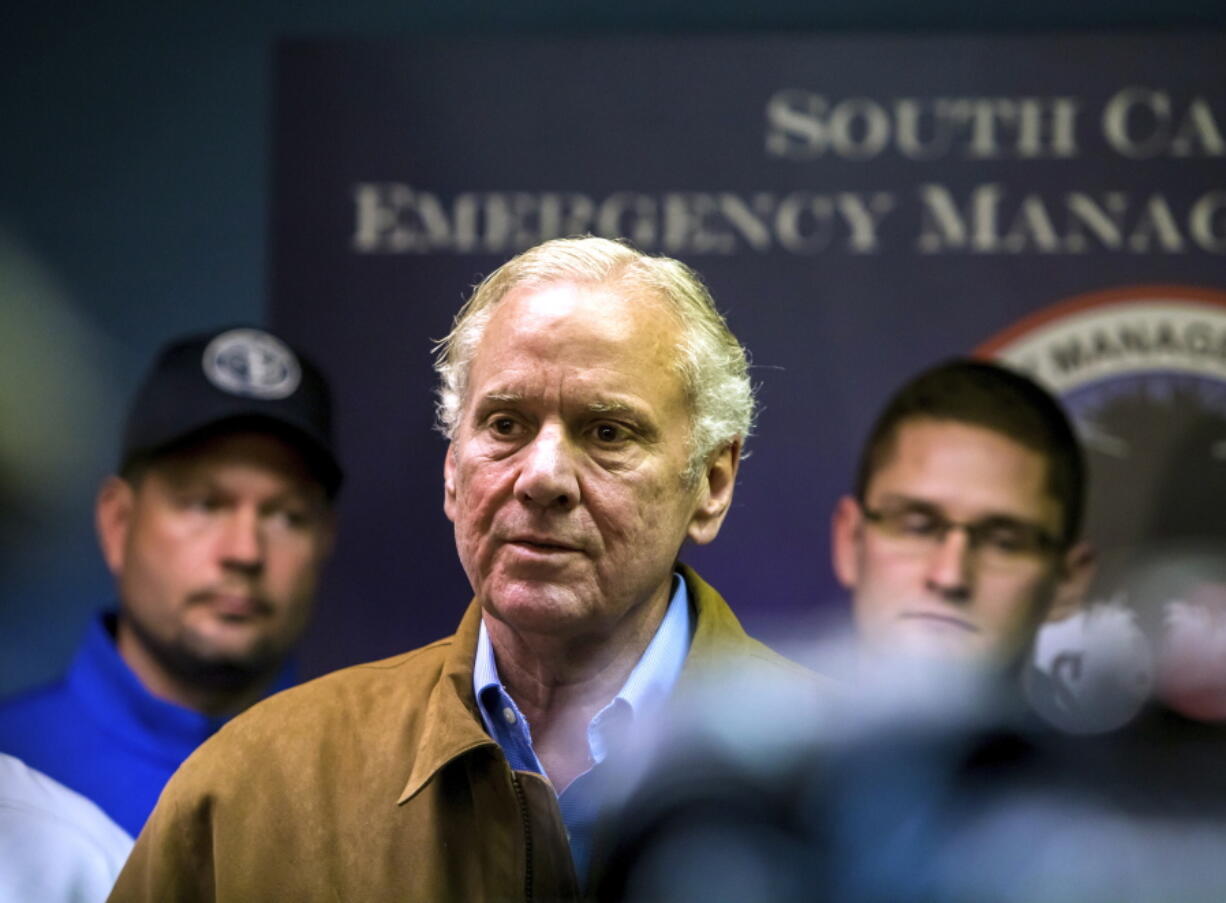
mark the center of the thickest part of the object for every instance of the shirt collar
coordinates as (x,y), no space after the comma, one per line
(656,673)
(645,690)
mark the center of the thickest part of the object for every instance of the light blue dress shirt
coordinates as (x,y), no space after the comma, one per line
(643,693)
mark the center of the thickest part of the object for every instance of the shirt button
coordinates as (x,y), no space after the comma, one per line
(509,714)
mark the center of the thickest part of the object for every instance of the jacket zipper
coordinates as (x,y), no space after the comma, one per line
(523,814)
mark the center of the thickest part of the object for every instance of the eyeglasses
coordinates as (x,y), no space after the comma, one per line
(998,542)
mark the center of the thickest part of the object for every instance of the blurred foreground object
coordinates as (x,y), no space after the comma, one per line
(58,846)
(931,787)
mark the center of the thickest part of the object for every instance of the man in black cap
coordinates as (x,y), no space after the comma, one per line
(215,527)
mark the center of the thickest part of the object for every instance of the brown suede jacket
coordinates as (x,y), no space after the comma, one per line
(379,782)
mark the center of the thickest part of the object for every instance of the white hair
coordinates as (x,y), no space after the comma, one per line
(713,365)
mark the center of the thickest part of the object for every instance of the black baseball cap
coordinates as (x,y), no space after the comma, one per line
(235,378)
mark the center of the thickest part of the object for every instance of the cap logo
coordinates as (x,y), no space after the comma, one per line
(252,363)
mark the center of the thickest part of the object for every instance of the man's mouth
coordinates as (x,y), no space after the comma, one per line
(233,605)
(542,544)
(939,621)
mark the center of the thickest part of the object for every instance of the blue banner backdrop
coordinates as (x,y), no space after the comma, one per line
(859,206)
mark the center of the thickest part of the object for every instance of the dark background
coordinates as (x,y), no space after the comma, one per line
(134,156)
(831,333)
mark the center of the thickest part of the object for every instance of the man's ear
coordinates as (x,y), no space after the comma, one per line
(715,493)
(846,530)
(1077,568)
(113,511)
(449,482)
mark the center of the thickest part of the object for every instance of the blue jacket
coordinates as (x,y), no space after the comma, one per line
(100,732)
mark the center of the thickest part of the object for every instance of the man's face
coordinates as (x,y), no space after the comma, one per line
(217,551)
(565,477)
(916,592)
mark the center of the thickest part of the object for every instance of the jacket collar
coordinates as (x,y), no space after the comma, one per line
(718,634)
(452,725)
(452,722)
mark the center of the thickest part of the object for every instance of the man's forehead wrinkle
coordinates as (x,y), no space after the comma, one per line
(604,403)
(595,385)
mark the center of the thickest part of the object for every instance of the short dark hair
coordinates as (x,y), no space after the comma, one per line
(984,394)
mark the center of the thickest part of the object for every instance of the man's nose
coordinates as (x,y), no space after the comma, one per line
(241,544)
(950,566)
(547,477)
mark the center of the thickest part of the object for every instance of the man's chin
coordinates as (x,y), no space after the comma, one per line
(541,608)
(225,664)
(537,615)
(934,643)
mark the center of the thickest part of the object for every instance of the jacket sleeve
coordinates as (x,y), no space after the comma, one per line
(173,857)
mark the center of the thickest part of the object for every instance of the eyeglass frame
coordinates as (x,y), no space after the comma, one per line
(1045,543)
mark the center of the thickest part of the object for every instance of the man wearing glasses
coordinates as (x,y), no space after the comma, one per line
(962,536)
(959,541)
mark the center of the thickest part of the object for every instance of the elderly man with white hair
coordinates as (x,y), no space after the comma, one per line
(596,405)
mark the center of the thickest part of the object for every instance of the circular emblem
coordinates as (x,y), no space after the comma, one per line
(251,363)
(1142,372)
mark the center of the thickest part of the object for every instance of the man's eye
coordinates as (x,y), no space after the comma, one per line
(504,426)
(293,518)
(1007,539)
(610,433)
(917,523)
(202,503)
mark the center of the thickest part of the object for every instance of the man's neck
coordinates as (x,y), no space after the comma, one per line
(561,683)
